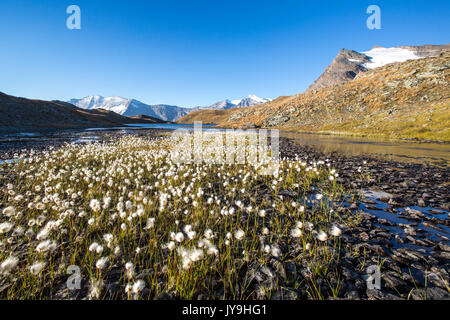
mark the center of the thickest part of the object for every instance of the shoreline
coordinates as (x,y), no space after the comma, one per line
(14,143)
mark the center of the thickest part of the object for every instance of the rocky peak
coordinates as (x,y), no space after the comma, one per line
(345,67)
(348,63)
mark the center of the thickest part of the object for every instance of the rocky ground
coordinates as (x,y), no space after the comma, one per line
(404,222)
(403,228)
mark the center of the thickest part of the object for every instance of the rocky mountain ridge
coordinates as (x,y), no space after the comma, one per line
(349,63)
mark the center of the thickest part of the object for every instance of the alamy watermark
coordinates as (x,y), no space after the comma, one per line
(74,280)
(373,277)
(374,21)
(74,20)
(228,147)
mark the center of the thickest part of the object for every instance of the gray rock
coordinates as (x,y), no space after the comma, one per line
(394,282)
(352,295)
(373,294)
(430,294)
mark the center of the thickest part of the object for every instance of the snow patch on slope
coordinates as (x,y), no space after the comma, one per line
(382,56)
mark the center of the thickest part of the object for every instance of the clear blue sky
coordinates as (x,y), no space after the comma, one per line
(193,52)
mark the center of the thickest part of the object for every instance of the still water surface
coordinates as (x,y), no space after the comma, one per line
(393,150)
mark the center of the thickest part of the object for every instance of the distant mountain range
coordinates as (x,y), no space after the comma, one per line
(249,101)
(21,114)
(130,107)
(133,107)
(349,63)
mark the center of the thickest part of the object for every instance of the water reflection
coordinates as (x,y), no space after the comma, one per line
(392,150)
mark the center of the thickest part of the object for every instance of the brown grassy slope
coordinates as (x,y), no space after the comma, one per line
(400,100)
(208,116)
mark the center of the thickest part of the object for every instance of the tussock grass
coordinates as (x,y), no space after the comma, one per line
(126,214)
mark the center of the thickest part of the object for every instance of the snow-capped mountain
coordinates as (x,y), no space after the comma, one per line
(131,107)
(348,63)
(117,104)
(250,100)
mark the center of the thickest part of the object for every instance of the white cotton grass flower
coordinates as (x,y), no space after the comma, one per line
(43,234)
(150,223)
(191,234)
(171,245)
(106,202)
(265,231)
(137,287)
(82,214)
(335,231)
(37,268)
(186,262)
(9,211)
(95,205)
(9,265)
(239,234)
(196,255)
(99,249)
(93,247)
(40,206)
(262,213)
(95,289)
(109,239)
(322,236)
(190,256)
(46,246)
(5,227)
(209,234)
(319,196)
(179,237)
(129,267)
(128,289)
(308,246)
(212,250)
(275,251)
(102,263)
(296,233)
